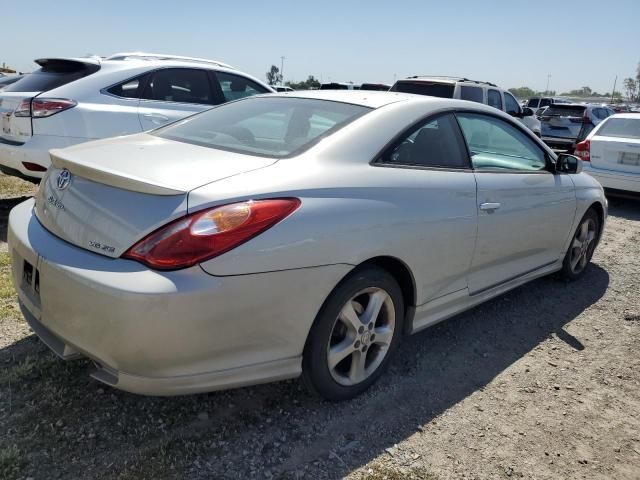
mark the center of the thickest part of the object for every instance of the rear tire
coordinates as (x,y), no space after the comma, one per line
(356,331)
(582,246)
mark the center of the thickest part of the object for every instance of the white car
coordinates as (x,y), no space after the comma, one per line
(611,152)
(73,100)
(472,90)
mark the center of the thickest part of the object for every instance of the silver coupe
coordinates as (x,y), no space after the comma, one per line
(291,234)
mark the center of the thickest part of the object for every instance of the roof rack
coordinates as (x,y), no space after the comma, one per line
(160,56)
(459,79)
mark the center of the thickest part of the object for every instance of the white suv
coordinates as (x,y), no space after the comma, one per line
(475,91)
(73,100)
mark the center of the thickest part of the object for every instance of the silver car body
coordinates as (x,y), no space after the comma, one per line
(243,317)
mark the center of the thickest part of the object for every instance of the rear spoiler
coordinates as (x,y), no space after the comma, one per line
(102,175)
(92,64)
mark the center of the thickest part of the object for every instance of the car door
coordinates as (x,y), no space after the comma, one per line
(429,175)
(525,211)
(171,94)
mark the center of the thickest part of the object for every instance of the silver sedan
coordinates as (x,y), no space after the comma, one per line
(291,234)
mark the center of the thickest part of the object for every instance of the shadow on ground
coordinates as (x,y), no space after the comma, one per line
(624,207)
(6,204)
(69,426)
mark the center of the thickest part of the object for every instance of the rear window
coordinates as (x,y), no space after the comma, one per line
(53,74)
(432,89)
(271,127)
(533,103)
(556,110)
(620,127)
(375,86)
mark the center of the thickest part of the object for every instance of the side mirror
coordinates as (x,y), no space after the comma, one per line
(527,112)
(568,164)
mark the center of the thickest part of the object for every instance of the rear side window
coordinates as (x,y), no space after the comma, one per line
(560,110)
(494,99)
(235,87)
(129,89)
(620,127)
(432,89)
(434,143)
(182,85)
(273,127)
(53,74)
(473,94)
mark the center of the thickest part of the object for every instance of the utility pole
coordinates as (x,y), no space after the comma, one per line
(614,88)
(282,70)
(546,90)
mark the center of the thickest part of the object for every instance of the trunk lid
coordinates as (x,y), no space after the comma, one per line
(106,195)
(619,154)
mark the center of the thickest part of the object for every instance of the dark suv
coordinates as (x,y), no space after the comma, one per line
(565,124)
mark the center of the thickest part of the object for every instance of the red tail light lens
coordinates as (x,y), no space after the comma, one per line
(45,107)
(209,233)
(583,150)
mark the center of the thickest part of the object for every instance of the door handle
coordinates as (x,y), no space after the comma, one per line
(156,117)
(489,206)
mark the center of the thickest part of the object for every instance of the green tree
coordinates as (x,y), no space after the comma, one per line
(523,92)
(311,83)
(273,76)
(630,85)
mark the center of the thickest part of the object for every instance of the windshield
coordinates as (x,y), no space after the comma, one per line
(433,89)
(620,127)
(265,126)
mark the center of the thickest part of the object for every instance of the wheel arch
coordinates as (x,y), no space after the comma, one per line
(404,276)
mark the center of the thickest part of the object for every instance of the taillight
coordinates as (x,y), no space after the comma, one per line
(24,109)
(209,233)
(45,107)
(583,150)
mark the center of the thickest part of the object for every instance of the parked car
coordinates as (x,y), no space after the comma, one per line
(535,103)
(286,234)
(381,87)
(564,125)
(73,100)
(540,112)
(475,91)
(7,80)
(611,152)
(339,86)
(282,88)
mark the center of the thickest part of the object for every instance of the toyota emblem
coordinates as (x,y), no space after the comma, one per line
(64,179)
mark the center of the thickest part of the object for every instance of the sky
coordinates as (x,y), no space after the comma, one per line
(511,43)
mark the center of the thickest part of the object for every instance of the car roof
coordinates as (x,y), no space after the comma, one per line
(376,99)
(445,79)
(365,98)
(633,115)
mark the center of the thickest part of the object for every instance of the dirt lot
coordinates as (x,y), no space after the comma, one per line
(541,383)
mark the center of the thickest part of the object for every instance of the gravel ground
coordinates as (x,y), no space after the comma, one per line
(541,383)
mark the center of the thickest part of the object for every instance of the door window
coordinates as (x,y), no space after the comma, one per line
(473,94)
(498,146)
(494,99)
(511,104)
(235,87)
(183,85)
(434,143)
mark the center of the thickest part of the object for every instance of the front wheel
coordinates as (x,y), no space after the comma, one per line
(582,246)
(354,335)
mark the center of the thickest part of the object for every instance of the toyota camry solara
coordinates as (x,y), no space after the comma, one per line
(291,234)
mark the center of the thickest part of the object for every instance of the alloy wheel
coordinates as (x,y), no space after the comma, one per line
(582,245)
(361,336)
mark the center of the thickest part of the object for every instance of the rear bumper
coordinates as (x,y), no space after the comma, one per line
(625,181)
(35,150)
(163,333)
